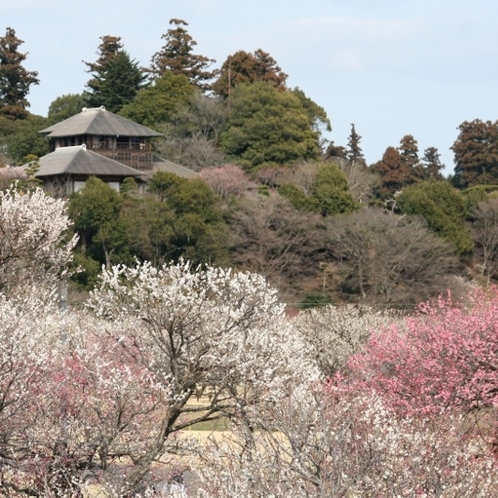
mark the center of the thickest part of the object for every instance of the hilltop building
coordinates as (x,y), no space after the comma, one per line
(98,143)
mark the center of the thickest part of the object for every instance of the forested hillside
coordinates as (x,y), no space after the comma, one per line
(273,195)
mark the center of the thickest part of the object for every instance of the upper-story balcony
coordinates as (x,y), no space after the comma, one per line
(107,134)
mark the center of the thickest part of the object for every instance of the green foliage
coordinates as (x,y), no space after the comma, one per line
(116,78)
(21,137)
(128,186)
(268,126)
(443,208)
(180,219)
(432,164)
(478,193)
(85,271)
(264,190)
(34,164)
(408,149)
(354,152)
(314,301)
(15,80)
(95,210)
(244,67)
(163,183)
(297,197)
(178,58)
(65,106)
(329,193)
(159,102)
(150,224)
(108,49)
(317,115)
(117,85)
(335,151)
(200,116)
(198,231)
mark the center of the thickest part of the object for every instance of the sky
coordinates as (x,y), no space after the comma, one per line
(391,67)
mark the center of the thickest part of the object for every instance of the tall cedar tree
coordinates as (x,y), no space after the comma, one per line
(108,49)
(354,152)
(432,164)
(15,80)
(177,56)
(476,154)
(116,78)
(399,167)
(244,67)
(393,171)
(408,148)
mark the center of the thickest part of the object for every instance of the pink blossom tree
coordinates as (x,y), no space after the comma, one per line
(227,181)
(444,359)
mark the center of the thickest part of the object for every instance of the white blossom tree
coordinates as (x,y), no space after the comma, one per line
(347,447)
(210,336)
(334,333)
(34,249)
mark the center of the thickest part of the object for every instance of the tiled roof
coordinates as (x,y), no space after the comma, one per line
(79,160)
(160,164)
(98,121)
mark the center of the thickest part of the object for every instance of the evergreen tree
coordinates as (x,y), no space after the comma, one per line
(408,148)
(15,80)
(444,209)
(65,106)
(267,127)
(116,78)
(23,139)
(177,56)
(393,171)
(354,152)
(244,67)
(432,166)
(476,154)
(334,152)
(108,49)
(318,118)
(159,102)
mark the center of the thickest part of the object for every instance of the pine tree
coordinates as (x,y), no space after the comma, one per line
(354,152)
(116,77)
(432,164)
(177,56)
(15,80)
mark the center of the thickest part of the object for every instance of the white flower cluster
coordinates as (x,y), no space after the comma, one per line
(352,448)
(336,332)
(33,248)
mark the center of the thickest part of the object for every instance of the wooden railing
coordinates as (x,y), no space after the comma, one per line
(140,159)
(121,147)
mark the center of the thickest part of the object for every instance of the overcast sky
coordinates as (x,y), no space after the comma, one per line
(392,67)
